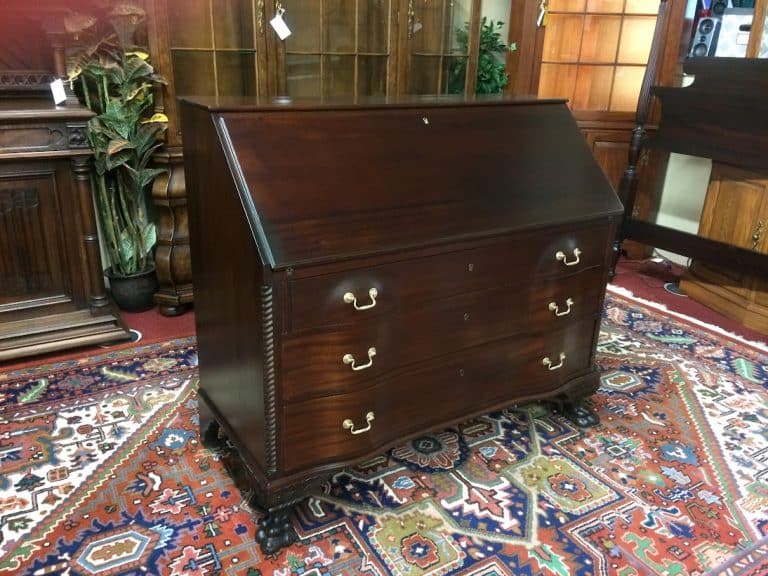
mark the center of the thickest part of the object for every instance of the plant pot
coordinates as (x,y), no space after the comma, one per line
(135,292)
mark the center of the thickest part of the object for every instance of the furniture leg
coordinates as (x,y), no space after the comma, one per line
(275,531)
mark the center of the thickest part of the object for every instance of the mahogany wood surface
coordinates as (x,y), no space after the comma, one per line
(291,207)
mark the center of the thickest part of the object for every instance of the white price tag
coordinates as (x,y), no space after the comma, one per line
(57,89)
(281,28)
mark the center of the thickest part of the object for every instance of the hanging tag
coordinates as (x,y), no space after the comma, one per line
(541,20)
(57,90)
(281,28)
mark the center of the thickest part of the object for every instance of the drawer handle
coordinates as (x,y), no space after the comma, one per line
(349,425)
(349,359)
(548,363)
(561,257)
(350,298)
(553,307)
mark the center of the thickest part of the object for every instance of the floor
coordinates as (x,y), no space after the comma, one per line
(646,279)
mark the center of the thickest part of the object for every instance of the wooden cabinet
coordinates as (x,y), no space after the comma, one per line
(735,212)
(360,278)
(52,293)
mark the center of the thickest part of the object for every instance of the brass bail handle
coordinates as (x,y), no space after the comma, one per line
(350,298)
(553,307)
(561,256)
(350,360)
(348,424)
(550,366)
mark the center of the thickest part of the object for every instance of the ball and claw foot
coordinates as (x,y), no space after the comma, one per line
(580,414)
(275,532)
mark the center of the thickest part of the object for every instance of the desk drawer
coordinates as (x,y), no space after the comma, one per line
(405,401)
(316,301)
(313,363)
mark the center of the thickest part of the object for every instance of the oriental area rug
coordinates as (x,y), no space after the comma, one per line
(102,472)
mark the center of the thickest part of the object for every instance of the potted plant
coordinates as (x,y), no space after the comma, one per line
(492,77)
(116,81)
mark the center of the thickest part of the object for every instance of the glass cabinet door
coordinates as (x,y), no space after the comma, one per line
(213,46)
(338,47)
(595,52)
(438,45)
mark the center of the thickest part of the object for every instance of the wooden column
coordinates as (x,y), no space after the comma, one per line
(92,269)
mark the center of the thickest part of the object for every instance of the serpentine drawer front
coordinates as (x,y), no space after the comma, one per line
(314,361)
(320,300)
(360,279)
(467,382)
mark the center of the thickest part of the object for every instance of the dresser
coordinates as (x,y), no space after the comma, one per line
(367,272)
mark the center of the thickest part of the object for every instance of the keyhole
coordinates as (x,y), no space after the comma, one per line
(466,316)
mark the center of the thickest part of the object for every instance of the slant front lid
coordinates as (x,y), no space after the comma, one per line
(328,184)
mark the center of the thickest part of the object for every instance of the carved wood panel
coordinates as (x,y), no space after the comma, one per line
(32,255)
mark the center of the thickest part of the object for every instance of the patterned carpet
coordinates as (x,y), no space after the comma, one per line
(102,472)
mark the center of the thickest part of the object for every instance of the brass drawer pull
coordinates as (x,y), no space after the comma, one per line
(349,425)
(349,359)
(548,363)
(553,307)
(561,257)
(349,298)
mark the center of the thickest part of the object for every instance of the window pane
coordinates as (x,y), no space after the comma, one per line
(557,80)
(233,23)
(193,73)
(425,74)
(372,75)
(303,75)
(236,73)
(636,36)
(626,88)
(454,75)
(563,38)
(426,36)
(373,22)
(338,75)
(593,88)
(608,6)
(566,5)
(338,25)
(457,25)
(190,24)
(601,38)
(303,19)
(641,7)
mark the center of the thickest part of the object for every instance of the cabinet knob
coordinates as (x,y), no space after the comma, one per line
(757,234)
(348,424)
(560,256)
(350,298)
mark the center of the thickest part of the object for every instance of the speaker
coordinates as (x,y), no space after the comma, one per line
(705,37)
(718,7)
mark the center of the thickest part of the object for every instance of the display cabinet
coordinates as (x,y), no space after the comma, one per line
(735,212)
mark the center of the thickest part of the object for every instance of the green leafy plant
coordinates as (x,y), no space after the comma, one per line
(116,81)
(492,77)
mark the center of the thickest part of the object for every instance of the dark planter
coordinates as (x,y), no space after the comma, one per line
(133,293)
